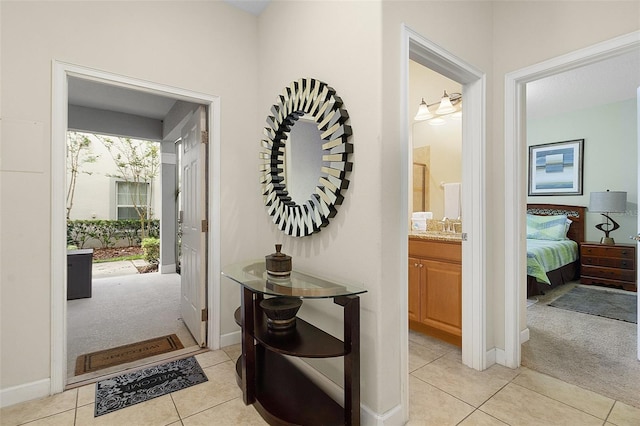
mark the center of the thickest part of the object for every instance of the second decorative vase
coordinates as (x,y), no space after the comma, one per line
(278,263)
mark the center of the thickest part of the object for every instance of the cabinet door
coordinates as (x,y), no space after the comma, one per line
(414,289)
(442,293)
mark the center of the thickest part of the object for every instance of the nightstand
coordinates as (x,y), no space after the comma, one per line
(608,265)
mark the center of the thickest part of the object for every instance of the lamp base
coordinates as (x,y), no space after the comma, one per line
(607,241)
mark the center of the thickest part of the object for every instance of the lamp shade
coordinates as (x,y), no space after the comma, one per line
(423,112)
(608,202)
(445,105)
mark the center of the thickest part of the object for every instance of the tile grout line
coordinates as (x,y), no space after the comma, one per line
(208,408)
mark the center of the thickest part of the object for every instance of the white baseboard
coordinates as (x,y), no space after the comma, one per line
(499,356)
(230,339)
(25,392)
(524,335)
(491,357)
(168,269)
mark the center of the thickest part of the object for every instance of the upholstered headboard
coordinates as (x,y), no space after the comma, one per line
(575,213)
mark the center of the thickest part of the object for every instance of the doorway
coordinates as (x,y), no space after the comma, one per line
(62,73)
(430,55)
(515,180)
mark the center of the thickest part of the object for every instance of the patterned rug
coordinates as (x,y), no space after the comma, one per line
(614,304)
(143,385)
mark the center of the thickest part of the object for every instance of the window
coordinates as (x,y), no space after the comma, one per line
(130,195)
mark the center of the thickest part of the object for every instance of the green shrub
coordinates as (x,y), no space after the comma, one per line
(108,232)
(151,249)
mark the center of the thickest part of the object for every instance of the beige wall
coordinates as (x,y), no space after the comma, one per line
(207,47)
(217,50)
(338,45)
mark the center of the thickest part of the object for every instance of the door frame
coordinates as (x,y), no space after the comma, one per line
(59,120)
(515,142)
(473,81)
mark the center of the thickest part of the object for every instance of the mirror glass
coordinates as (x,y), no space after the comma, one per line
(302,159)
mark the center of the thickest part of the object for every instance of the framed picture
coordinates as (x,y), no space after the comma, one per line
(556,168)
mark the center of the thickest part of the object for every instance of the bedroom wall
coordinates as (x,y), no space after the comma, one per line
(610,158)
(216,54)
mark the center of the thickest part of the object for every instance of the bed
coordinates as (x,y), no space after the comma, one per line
(553,261)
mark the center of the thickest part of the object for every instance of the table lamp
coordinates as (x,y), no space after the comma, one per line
(605,203)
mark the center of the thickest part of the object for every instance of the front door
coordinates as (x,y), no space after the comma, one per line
(193,270)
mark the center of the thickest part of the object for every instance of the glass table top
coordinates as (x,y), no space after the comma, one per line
(253,275)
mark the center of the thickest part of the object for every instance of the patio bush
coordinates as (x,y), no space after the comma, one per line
(108,232)
(151,248)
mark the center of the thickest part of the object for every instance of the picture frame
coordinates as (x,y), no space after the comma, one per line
(556,168)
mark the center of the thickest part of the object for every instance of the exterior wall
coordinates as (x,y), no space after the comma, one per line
(207,47)
(95,193)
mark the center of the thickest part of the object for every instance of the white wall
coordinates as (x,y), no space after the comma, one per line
(610,152)
(207,47)
(337,44)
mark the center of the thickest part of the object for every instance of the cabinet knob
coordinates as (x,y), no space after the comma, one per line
(624,252)
(421,265)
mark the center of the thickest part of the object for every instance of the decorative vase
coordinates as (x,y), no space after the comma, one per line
(278,264)
(281,312)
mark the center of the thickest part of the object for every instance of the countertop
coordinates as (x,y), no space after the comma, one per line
(435,235)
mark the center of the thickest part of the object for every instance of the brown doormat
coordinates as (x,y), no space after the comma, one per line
(127,353)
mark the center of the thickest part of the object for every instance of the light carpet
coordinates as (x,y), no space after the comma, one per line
(592,352)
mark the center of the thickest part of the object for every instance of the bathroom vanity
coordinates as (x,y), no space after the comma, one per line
(435,285)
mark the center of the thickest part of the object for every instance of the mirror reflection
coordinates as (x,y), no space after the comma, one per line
(302,159)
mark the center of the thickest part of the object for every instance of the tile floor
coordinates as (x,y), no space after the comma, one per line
(442,392)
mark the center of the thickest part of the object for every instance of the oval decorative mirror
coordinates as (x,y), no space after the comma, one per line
(305,157)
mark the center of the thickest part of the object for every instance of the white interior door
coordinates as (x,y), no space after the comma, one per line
(194,225)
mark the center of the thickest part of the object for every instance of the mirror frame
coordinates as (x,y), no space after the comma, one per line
(320,102)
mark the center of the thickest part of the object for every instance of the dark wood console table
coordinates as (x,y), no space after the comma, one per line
(280,392)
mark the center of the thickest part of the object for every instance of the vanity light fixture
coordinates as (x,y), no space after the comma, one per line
(446,105)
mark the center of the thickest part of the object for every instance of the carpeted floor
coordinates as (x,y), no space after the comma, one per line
(589,351)
(122,310)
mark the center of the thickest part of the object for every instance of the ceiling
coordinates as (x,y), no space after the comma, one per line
(93,94)
(612,80)
(255,7)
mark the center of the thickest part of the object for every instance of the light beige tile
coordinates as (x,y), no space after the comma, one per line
(233,351)
(230,413)
(471,386)
(623,415)
(576,397)
(432,343)
(220,388)
(431,406)
(517,405)
(87,394)
(66,418)
(37,409)
(158,411)
(207,359)
(419,356)
(479,418)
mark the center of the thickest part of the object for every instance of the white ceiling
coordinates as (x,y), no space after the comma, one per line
(612,80)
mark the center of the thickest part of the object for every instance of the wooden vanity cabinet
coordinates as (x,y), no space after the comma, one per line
(435,288)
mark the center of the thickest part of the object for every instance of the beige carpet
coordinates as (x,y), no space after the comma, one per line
(589,351)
